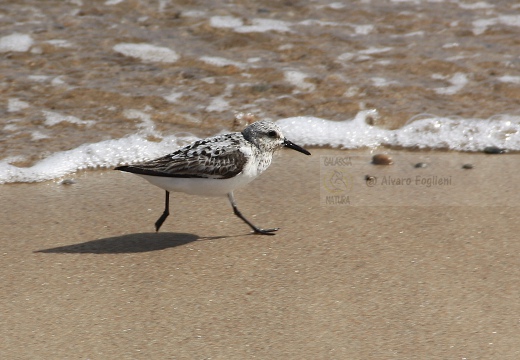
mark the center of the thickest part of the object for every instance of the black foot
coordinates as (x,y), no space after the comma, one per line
(165,214)
(265,231)
(159,222)
(239,214)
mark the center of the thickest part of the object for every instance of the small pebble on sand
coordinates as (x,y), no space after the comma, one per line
(382,159)
(494,150)
(68,182)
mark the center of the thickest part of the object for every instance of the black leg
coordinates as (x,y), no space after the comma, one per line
(239,214)
(165,214)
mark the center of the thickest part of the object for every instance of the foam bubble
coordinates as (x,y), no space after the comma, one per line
(510,79)
(38,78)
(297,79)
(347,56)
(362,55)
(221,62)
(480,26)
(382,82)
(410,34)
(147,52)
(173,97)
(510,20)
(38,135)
(264,25)
(193,13)
(225,22)
(15,42)
(374,50)
(336,5)
(58,81)
(256,25)
(363,29)
(11,127)
(60,43)
(147,126)
(218,104)
(52,118)
(458,81)
(313,22)
(477,5)
(14,105)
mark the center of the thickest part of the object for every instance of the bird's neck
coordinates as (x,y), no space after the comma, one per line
(263,159)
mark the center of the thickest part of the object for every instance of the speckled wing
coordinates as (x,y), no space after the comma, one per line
(216,158)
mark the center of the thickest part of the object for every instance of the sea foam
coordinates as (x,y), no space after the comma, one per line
(147,52)
(422,132)
(256,25)
(16,42)
(103,154)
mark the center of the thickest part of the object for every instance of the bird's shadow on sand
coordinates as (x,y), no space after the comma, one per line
(131,243)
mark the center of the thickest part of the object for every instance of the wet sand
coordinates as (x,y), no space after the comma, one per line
(85,277)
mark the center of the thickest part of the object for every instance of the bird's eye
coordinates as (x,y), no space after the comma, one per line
(272,134)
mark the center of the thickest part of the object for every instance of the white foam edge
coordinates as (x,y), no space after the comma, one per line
(104,154)
(423,132)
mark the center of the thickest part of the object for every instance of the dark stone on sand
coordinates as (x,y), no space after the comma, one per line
(68,182)
(370,180)
(467,166)
(382,159)
(494,150)
(421,165)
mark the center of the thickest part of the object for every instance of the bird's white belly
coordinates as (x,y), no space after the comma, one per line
(200,186)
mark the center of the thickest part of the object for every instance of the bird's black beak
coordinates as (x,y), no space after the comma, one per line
(293,146)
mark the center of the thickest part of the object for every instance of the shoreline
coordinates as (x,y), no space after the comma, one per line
(387,276)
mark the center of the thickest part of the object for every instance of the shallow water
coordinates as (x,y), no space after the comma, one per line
(129,74)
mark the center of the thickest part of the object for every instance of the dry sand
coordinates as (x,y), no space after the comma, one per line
(85,277)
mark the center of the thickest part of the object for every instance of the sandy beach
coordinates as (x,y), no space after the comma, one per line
(85,277)
(371,262)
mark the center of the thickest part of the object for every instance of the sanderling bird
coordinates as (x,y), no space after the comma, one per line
(216,166)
